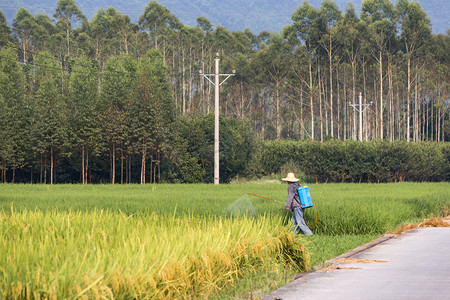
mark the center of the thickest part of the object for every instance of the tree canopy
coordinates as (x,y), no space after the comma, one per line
(109,100)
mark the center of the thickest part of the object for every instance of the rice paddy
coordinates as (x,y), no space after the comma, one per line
(185,241)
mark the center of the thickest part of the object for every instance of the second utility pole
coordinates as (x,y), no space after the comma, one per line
(361,109)
(217,85)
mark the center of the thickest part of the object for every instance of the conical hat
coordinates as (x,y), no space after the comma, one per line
(290,178)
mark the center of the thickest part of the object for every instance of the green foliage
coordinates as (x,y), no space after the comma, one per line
(194,146)
(5,32)
(110,90)
(349,161)
(13,112)
(341,208)
(156,19)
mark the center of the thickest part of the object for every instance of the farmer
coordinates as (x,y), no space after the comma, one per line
(293,204)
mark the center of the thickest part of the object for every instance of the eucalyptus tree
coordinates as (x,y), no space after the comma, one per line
(24,28)
(349,33)
(103,32)
(305,29)
(275,65)
(139,44)
(206,60)
(125,30)
(151,112)
(112,32)
(5,32)
(185,44)
(241,87)
(45,32)
(82,108)
(222,40)
(415,33)
(68,15)
(13,120)
(380,18)
(119,79)
(439,64)
(204,24)
(297,83)
(156,19)
(330,14)
(51,113)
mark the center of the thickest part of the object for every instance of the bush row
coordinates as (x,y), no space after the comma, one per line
(350,161)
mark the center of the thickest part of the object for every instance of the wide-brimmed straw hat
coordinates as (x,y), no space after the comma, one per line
(290,178)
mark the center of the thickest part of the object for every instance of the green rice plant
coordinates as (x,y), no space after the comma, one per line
(182,241)
(99,254)
(375,208)
(341,208)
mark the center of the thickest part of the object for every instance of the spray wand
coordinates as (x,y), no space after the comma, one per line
(266,198)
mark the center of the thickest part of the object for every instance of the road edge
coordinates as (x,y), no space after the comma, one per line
(314,272)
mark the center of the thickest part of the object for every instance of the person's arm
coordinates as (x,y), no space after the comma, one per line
(291,191)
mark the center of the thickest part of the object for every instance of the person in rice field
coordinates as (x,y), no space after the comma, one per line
(293,204)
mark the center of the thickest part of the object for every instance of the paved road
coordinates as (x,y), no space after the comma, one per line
(417,266)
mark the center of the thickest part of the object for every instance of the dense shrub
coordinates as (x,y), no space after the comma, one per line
(350,161)
(193,155)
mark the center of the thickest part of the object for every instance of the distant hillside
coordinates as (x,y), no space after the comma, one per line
(258,15)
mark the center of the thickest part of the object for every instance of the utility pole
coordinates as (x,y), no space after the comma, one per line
(360,108)
(217,85)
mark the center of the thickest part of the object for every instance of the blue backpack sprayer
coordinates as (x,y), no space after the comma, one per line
(305,200)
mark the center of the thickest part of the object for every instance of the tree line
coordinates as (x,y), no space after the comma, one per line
(354,161)
(109,94)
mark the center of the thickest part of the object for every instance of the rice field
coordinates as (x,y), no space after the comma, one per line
(184,241)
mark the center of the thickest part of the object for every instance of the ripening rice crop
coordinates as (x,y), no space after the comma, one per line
(99,254)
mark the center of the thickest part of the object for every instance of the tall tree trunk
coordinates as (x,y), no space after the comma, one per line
(154,172)
(390,98)
(151,168)
(45,169)
(365,97)
(113,163)
(41,170)
(278,125)
(3,171)
(121,164)
(144,154)
(431,121)
(183,82)
(311,98)
(51,164)
(338,105)
(408,117)
(376,134)
(381,96)
(87,164)
(416,111)
(302,124)
(159,166)
(320,104)
(82,164)
(68,39)
(331,88)
(345,117)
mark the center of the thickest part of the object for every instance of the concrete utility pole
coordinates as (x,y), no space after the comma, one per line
(360,108)
(216,111)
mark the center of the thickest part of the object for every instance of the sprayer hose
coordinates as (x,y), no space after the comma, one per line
(315,210)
